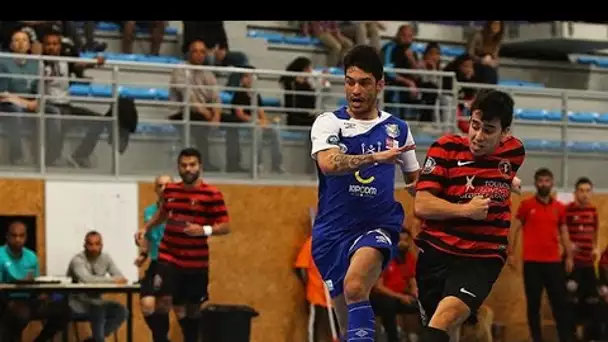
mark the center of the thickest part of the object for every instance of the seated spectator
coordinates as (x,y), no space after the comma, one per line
(484,47)
(331,37)
(363,32)
(14,97)
(32,28)
(18,264)
(429,84)
(398,54)
(319,322)
(242,114)
(57,91)
(202,93)
(223,57)
(300,95)
(157,34)
(465,73)
(212,33)
(396,291)
(90,44)
(92,266)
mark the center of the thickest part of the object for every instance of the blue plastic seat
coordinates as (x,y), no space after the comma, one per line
(582,117)
(582,146)
(101,90)
(509,83)
(602,62)
(533,114)
(418,47)
(271,37)
(424,140)
(226,97)
(553,115)
(534,144)
(602,119)
(162,94)
(602,147)
(298,40)
(271,101)
(586,60)
(80,90)
(553,145)
(107,26)
(139,93)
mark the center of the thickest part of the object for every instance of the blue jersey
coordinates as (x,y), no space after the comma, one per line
(155,234)
(355,203)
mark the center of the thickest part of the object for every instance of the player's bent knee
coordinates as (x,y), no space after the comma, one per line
(355,290)
(193,310)
(451,313)
(148,305)
(164,304)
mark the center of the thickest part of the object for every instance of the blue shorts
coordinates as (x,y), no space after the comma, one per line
(332,256)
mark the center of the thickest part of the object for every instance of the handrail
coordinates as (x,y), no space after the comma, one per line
(117,69)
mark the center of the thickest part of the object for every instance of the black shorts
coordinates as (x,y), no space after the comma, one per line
(440,275)
(587,282)
(184,285)
(147,287)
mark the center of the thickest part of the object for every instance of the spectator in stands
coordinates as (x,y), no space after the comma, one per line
(221,56)
(241,100)
(484,47)
(156,29)
(396,291)
(319,325)
(429,84)
(20,264)
(13,98)
(300,95)
(212,33)
(92,266)
(90,43)
(32,28)
(331,37)
(57,91)
(363,32)
(203,92)
(398,54)
(463,67)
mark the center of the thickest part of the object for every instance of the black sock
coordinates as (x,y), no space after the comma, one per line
(434,335)
(159,326)
(189,329)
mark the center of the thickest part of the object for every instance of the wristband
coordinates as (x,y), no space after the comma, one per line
(208,230)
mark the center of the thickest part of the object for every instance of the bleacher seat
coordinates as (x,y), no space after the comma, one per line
(532,114)
(554,116)
(142,93)
(134,57)
(107,26)
(602,119)
(582,117)
(582,146)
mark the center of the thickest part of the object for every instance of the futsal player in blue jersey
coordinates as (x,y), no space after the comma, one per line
(157,321)
(357,226)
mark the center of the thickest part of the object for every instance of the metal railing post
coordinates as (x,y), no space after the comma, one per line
(256,141)
(115,127)
(41,119)
(565,138)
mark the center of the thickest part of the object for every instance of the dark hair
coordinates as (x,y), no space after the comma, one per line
(189,152)
(297,65)
(486,33)
(494,104)
(542,172)
(241,74)
(15,223)
(429,46)
(91,233)
(583,180)
(365,58)
(51,32)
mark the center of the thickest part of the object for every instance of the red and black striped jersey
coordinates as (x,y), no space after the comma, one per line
(201,204)
(452,173)
(582,225)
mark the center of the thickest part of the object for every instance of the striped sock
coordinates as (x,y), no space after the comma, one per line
(361,322)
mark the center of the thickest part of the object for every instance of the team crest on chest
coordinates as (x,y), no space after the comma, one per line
(504,166)
(392,130)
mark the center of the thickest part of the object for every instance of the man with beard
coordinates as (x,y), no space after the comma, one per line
(542,221)
(192,210)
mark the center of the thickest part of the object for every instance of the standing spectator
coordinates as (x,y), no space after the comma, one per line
(57,91)
(396,291)
(241,100)
(89,36)
(203,91)
(427,83)
(398,54)
(156,319)
(583,224)
(92,266)
(542,222)
(300,94)
(193,211)
(331,37)
(484,46)
(12,99)
(17,264)
(157,33)
(363,32)
(319,326)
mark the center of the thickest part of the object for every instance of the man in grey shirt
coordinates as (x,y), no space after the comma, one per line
(92,266)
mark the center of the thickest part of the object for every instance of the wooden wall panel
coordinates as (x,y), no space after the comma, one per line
(253,265)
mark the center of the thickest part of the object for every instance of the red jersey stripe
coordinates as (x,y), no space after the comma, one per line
(582,225)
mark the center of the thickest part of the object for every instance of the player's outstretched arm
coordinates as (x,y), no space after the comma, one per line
(333,161)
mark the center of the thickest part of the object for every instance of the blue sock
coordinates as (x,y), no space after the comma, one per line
(361,322)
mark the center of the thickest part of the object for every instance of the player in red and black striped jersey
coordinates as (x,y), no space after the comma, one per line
(463,198)
(192,211)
